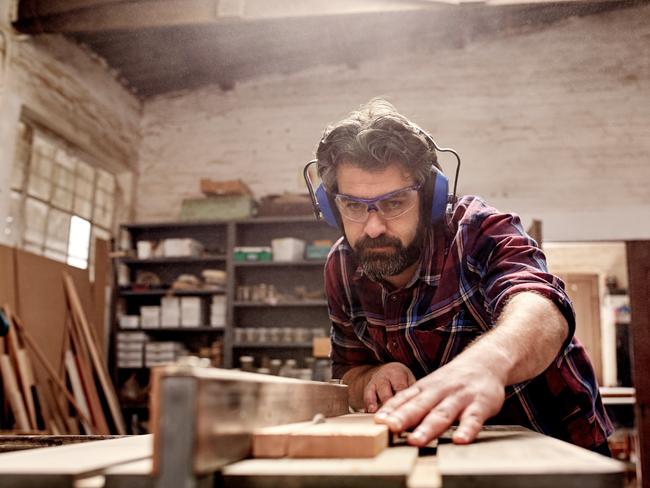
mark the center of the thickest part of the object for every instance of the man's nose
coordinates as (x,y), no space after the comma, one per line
(375,225)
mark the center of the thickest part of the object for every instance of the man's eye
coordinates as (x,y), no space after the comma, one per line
(394,203)
(354,206)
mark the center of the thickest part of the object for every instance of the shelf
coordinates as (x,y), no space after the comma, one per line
(292,303)
(174,329)
(273,345)
(216,258)
(310,262)
(170,292)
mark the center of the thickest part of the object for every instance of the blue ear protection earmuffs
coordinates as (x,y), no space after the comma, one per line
(436,188)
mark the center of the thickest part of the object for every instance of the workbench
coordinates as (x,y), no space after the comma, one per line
(204,421)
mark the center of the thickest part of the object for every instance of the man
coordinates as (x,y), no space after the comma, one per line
(437,320)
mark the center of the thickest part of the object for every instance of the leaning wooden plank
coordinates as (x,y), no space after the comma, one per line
(390,468)
(62,466)
(348,436)
(13,393)
(87,380)
(78,391)
(98,362)
(50,371)
(21,374)
(511,458)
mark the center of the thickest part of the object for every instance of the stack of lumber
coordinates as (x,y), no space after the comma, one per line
(78,398)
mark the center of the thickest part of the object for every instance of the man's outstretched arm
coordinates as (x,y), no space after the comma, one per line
(527,337)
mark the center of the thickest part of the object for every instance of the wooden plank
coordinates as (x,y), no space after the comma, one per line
(97,360)
(638,266)
(347,436)
(425,473)
(13,393)
(78,391)
(87,381)
(391,467)
(62,465)
(507,458)
(22,375)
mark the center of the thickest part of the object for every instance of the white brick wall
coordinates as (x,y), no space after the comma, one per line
(582,85)
(72,93)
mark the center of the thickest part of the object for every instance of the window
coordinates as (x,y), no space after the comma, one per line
(60,201)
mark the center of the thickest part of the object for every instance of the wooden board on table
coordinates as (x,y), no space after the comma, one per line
(514,456)
(347,436)
(391,467)
(61,466)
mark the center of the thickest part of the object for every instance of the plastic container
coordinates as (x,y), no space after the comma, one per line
(288,249)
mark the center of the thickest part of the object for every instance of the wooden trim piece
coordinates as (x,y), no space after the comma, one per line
(347,436)
(97,360)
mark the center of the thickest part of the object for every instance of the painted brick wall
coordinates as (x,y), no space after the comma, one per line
(552,124)
(72,93)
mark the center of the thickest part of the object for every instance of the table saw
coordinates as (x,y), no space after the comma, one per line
(208,422)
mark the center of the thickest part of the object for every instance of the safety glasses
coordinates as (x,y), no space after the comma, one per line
(389,206)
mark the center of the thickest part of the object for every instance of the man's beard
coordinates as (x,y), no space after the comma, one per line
(379,265)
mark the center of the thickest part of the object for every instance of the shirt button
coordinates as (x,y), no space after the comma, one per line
(394,298)
(394,344)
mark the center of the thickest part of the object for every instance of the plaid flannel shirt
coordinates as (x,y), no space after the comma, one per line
(468,271)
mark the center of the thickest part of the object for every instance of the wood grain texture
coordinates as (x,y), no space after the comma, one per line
(390,468)
(56,466)
(506,458)
(79,317)
(347,436)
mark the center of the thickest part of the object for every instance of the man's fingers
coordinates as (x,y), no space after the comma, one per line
(409,411)
(370,398)
(384,391)
(437,421)
(471,421)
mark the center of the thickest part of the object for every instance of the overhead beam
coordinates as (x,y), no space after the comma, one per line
(77,16)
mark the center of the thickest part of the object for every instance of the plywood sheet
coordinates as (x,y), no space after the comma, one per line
(60,466)
(42,305)
(506,457)
(7,277)
(347,436)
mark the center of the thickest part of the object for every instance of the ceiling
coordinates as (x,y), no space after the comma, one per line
(160,46)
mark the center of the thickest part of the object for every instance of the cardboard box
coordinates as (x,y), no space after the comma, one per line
(191,312)
(321,347)
(227,207)
(181,247)
(224,187)
(150,316)
(170,311)
(129,321)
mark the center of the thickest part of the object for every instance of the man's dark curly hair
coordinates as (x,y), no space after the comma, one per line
(372,138)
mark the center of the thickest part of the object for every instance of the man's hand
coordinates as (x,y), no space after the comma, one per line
(384,383)
(458,390)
